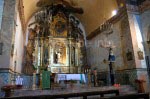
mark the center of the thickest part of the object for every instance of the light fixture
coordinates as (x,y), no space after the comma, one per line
(114,12)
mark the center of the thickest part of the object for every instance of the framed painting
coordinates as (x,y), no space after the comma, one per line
(140,55)
(129,55)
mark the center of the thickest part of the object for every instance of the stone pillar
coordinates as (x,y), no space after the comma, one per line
(7,30)
(34,81)
(137,43)
(135,31)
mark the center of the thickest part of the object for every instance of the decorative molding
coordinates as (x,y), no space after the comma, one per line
(21,14)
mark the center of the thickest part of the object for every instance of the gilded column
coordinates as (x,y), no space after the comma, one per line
(70,65)
(67,54)
(42,45)
(76,57)
(34,81)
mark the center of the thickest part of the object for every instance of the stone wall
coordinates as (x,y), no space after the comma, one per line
(122,40)
(126,43)
(7,30)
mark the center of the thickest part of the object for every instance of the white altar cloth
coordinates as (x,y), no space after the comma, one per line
(70,77)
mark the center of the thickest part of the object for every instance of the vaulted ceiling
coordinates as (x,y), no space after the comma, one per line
(95,11)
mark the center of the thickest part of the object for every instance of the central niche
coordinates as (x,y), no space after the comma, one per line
(59,54)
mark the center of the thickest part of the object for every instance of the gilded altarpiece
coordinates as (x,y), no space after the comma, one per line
(59,50)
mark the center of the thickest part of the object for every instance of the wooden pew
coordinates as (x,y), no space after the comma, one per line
(130,96)
(68,95)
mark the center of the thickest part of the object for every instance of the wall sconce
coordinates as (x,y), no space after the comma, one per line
(114,12)
(1,48)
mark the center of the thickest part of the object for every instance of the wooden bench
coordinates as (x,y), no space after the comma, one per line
(69,95)
(130,96)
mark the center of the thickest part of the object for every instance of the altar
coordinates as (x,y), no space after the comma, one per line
(77,77)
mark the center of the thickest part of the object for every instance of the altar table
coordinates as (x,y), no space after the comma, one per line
(80,77)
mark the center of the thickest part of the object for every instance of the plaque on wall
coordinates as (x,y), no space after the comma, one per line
(129,55)
(140,55)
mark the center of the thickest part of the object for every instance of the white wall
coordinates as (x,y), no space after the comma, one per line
(96,54)
(18,45)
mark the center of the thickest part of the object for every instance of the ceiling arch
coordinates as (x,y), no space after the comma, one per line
(94,11)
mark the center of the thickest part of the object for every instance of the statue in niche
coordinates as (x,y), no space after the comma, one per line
(59,53)
(57,57)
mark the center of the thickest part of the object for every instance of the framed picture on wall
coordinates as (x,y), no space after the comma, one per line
(140,55)
(129,55)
